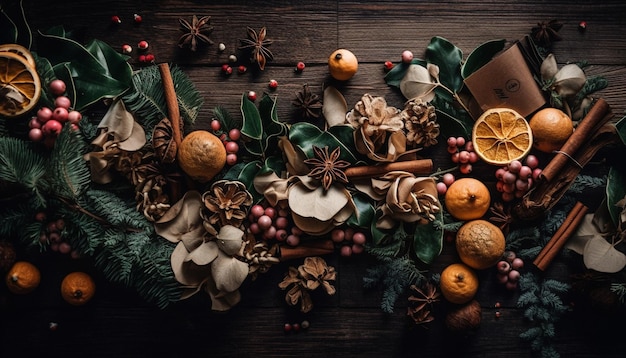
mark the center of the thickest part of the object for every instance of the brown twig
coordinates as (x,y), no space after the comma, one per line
(313,248)
(417,166)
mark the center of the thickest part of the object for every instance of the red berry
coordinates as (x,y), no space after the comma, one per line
(287,328)
(59,114)
(281,222)
(126,48)
(231,159)
(452,149)
(234,134)
(300,66)
(388,65)
(57,87)
(264,222)
(137,18)
(337,235)
(293,240)
(44,114)
(349,232)
(441,188)
(142,45)
(116,19)
(62,101)
(65,248)
(242,69)
(357,249)
(257,210)
(252,96)
(271,212)
(270,233)
(273,84)
(216,125)
(448,179)
(452,142)
(74,117)
(346,251)
(359,238)
(532,161)
(473,157)
(407,56)
(149,57)
(281,235)
(509,178)
(455,157)
(34,123)
(232,147)
(502,278)
(141,58)
(464,156)
(52,127)
(460,141)
(514,275)
(465,168)
(517,263)
(254,228)
(515,166)
(582,26)
(35,134)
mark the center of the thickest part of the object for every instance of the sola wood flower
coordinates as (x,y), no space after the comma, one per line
(204,258)
(379,127)
(313,273)
(226,203)
(407,198)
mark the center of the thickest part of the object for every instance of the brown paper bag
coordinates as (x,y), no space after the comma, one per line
(505,81)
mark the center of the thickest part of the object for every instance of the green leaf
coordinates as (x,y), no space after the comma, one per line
(621,129)
(245,173)
(428,240)
(261,125)
(14,27)
(306,135)
(449,58)
(615,191)
(364,214)
(481,56)
(397,73)
(452,122)
(273,164)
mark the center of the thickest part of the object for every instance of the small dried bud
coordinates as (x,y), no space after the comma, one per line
(466,317)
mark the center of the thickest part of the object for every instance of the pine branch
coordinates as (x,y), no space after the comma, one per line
(226,119)
(20,164)
(146,100)
(394,275)
(67,173)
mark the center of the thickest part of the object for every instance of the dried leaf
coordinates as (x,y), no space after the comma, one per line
(601,256)
(182,221)
(221,301)
(335,106)
(120,123)
(204,254)
(569,80)
(418,83)
(186,272)
(549,68)
(228,272)
(319,204)
(230,239)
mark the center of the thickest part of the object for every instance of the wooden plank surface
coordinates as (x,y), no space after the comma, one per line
(350,324)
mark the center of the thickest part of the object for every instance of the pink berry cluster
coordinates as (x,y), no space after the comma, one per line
(462,153)
(517,178)
(272,223)
(47,123)
(351,241)
(509,270)
(446,180)
(229,139)
(53,234)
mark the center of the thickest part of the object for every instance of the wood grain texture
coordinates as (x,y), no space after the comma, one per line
(117,323)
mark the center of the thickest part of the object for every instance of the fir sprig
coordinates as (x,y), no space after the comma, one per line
(146,99)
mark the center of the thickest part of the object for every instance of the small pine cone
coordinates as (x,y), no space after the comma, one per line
(420,120)
(7,255)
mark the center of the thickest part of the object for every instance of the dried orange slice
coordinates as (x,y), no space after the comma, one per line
(20,86)
(20,51)
(501,135)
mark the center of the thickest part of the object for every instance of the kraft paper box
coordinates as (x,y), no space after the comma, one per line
(505,81)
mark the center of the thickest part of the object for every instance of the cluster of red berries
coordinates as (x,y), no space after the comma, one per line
(351,241)
(509,270)
(462,153)
(446,180)
(516,179)
(53,234)
(272,223)
(48,123)
(296,327)
(229,140)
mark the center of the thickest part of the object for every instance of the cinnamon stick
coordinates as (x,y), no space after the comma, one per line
(313,248)
(565,231)
(171,101)
(417,166)
(596,117)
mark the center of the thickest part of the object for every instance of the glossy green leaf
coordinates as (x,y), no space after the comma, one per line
(428,240)
(615,191)
(245,173)
(261,125)
(364,214)
(252,125)
(306,135)
(449,58)
(397,73)
(481,55)
(274,164)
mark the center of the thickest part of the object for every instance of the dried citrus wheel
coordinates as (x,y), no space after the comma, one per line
(458,283)
(23,277)
(501,135)
(467,199)
(77,288)
(20,86)
(201,155)
(342,64)
(551,128)
(480,244)
(20,51)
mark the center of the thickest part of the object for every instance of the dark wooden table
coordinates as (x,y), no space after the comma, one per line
(118,323)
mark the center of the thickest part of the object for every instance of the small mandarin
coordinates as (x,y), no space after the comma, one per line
(342,64)
(458,283)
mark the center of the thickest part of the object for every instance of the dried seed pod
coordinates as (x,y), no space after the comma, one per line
(463,318)
(163,141)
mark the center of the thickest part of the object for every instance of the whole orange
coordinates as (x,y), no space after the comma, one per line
(77,288)
(551,128)
(467,199)
(201,155)
(342,64)
(458,283)
(480,244)
(23,277)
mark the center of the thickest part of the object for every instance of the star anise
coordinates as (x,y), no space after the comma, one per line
(195,31)
(501,216)
(420,304)
(257,44)
(327,167)
(309,104)
(547,32)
